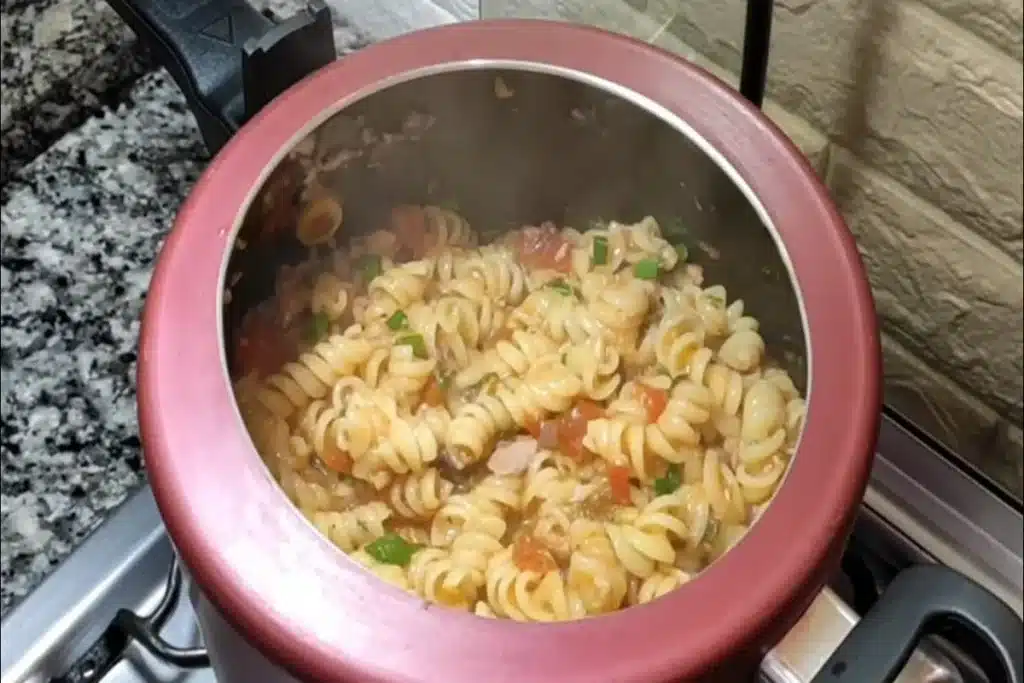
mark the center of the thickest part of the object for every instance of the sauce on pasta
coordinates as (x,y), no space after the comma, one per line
(555,425)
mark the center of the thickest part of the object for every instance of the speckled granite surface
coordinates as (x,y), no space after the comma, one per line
(81,227)
(62,61)
(82,224)
(66,60)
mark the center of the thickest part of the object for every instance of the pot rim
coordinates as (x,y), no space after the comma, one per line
(291,593)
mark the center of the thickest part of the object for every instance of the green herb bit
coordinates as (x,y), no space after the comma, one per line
(646,269)
(419,346)
(669,483)
(370,265)
(398,321)
(711,531)
(600,255)
(319,325)
(392,549)
(684,253)
(445,381)
(562,287)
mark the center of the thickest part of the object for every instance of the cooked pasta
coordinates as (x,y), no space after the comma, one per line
(557,425)
(529,594)
(662,581)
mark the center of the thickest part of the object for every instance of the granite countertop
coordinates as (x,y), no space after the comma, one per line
(63,60)
(83,221)
(82,225)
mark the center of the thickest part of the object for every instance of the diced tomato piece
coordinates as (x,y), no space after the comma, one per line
(433,394)
(532,428)
(587,410)
(337,460)
(573,427)
(530,555)
(574,448)
(570,436)
(262,346)
(544,248)
(561,259)
(409,224)
(547,434)
(618,479)
(654,401)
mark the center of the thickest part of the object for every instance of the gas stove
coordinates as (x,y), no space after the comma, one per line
(116,611)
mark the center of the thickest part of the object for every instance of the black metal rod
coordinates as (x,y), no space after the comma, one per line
(757,34)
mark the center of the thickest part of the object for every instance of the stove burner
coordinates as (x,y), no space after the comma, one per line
(128,627)
(919,508)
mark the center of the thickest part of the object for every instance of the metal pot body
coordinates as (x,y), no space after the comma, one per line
(518,122)
(232,658)
(235,660)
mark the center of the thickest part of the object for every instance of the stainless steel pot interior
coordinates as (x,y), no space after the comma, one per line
(518,146)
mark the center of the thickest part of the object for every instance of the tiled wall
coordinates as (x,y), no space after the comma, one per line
(912,113)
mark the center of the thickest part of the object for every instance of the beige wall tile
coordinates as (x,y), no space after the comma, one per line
(946,295)
(908,91)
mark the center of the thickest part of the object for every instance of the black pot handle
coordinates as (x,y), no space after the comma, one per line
(229,59)
(923,600)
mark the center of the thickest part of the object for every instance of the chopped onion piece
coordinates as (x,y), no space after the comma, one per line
(512,457)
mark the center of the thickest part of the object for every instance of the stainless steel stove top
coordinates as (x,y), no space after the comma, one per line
(920,508)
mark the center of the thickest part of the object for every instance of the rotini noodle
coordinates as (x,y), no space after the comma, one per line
(312,376)
(662,582)
(595,574)
(526,595)
(420,495)
(493,275)
(396,288)
(549,387)
(645,241)
(545,480)
(454,327)
(353,528)
(641,538)
(559,316)
(627,442)
(506,357)
(676,341)
(433,576)
(447,228)
(485,510)
(409,447)
(597,365)
(621,308)
(330,296)
(742,350)
(557,425)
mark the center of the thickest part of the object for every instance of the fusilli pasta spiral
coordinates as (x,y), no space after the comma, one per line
(557,425)
(313,374)
(528,596)
(419,495)
(353,528)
